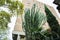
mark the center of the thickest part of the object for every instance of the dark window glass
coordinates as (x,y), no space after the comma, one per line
(58,8)
(57,2)
(22,37)
(14,36)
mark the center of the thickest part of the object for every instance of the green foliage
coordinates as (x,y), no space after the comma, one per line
(20,8)
(5,38)
(13,6)
(4,19)
(2,2)
(33,22)
(8,1)
(53,23)
(16,6)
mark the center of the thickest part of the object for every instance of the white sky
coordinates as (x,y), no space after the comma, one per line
(50,2)
(13,19)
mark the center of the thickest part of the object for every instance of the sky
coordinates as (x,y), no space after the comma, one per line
(13,19)
(50,2)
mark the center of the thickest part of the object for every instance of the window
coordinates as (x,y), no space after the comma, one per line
(57,2)
(14,36)
(22,37)
(58,8)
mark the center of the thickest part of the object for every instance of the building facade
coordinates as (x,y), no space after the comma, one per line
(18,33)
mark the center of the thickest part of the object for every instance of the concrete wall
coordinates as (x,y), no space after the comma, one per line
(18,24)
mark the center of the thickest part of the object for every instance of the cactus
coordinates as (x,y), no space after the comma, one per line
(33,23)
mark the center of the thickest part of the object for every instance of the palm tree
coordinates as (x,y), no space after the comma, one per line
(4,20)
(14,6)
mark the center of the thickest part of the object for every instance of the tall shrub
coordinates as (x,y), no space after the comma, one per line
(15,7)
(53,23)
